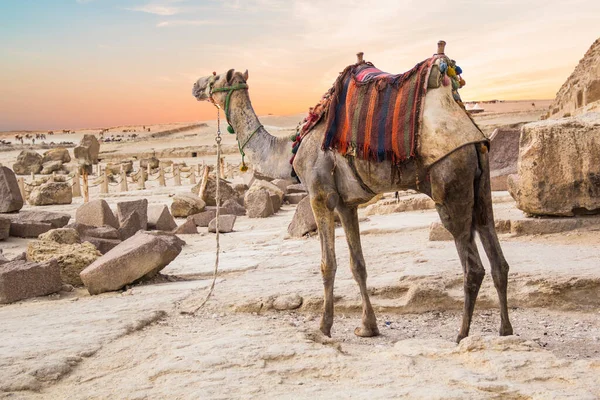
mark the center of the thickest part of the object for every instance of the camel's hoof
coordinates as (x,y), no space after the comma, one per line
(366,332)
(325,331)
(460,337)
(506,330)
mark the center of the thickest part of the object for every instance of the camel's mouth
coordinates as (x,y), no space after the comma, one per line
(199,90)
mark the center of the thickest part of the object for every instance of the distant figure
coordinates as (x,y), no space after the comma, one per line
(533,104)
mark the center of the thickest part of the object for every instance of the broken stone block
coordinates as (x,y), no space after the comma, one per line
(504,154)
(437,232)
(146,253)
(126,208)
(269,187)
(296,188)
(58,154)
(160,218)
(294,198)
(51,193)
(22,280)
(232,207)
(303,221)
(31,224)
(282,184)
(226,192)
(258,203)
(187,228)
(4,228)
(226,223)
(10,195)
(71,258)
(203,219)
(185,205)
(103,245)
(51,166)
(28,161)
(130,226)
(88,150)
(96,213)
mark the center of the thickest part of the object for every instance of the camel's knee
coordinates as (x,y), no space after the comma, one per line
(475,276)
(326,200)
(359,270)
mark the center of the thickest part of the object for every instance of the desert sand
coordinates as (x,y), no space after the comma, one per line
(137,343)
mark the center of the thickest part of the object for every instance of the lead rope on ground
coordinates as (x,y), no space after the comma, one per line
(218,203)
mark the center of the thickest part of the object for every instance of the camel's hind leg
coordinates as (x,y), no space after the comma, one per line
(484,223)
(452,189)
(349,218)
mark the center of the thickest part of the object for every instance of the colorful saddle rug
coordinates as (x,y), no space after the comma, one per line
(374,115)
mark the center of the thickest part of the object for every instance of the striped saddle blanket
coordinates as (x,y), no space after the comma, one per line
(374,115)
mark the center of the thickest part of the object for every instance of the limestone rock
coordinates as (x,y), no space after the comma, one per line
(96,213)
(226,192)
(3,260)
(51,193)
(232,207)
(143,254)
(185,205)
(71,258)
(282,184)
(58,154)
(130,226)
(21,280)
(303,221)
(559,167)
(152,161)
(187,228)
(296,188)
(140,207)
(503,156)
(294,198)
(31,224)
(88,150)
(581,91)
(103,232)
(226,223)
(51,166)
(203,219)
(258,203)
(28,161)
(160,218)
(61,236)
(10,195)
(437,232)
(115,168)
(269,187)
(4,228)
(287,302)
(276,202)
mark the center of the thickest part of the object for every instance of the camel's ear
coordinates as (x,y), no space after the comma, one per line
(245,76)
(229,75)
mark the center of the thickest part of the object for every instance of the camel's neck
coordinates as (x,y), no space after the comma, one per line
(267,154)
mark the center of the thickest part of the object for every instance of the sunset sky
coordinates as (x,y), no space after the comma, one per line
(101,63)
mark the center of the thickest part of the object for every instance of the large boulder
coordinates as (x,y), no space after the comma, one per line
(115,168)
(71,258)
(51,166)
(31,224)
(58,154)
(273,189)
(226,191)
(51,193)
(160,218)
(258,203)
(88,150)
(140,207)
(226,223)
(28,162)
(10,195)
(61,236)
(152,161)
(303,221)
(22,279)
(144,254)
(232,207)
(504,154)
(185,204)
(559,167)
(203,219)
(96,213)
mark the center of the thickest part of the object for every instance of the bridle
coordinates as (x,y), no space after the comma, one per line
(230,89)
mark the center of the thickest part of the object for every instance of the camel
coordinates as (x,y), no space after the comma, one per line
(459,184)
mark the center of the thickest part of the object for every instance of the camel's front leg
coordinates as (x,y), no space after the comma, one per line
(349,218)
(323,206)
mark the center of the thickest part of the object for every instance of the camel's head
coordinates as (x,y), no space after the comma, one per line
(204,88)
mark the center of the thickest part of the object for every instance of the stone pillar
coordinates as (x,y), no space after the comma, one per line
(161,176)
(176,176)
(141,180)
(192,176)
(21,183)
(104,183)
(123,175)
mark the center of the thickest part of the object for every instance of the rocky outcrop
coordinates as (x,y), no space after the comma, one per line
(504,154)
(96,213)
(581,91)
(28,162)
(51,193)
(145,254)
(185,205)
(10,195)
(22,279)
(559,167)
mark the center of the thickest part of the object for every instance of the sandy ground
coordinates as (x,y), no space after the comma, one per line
(137,344)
